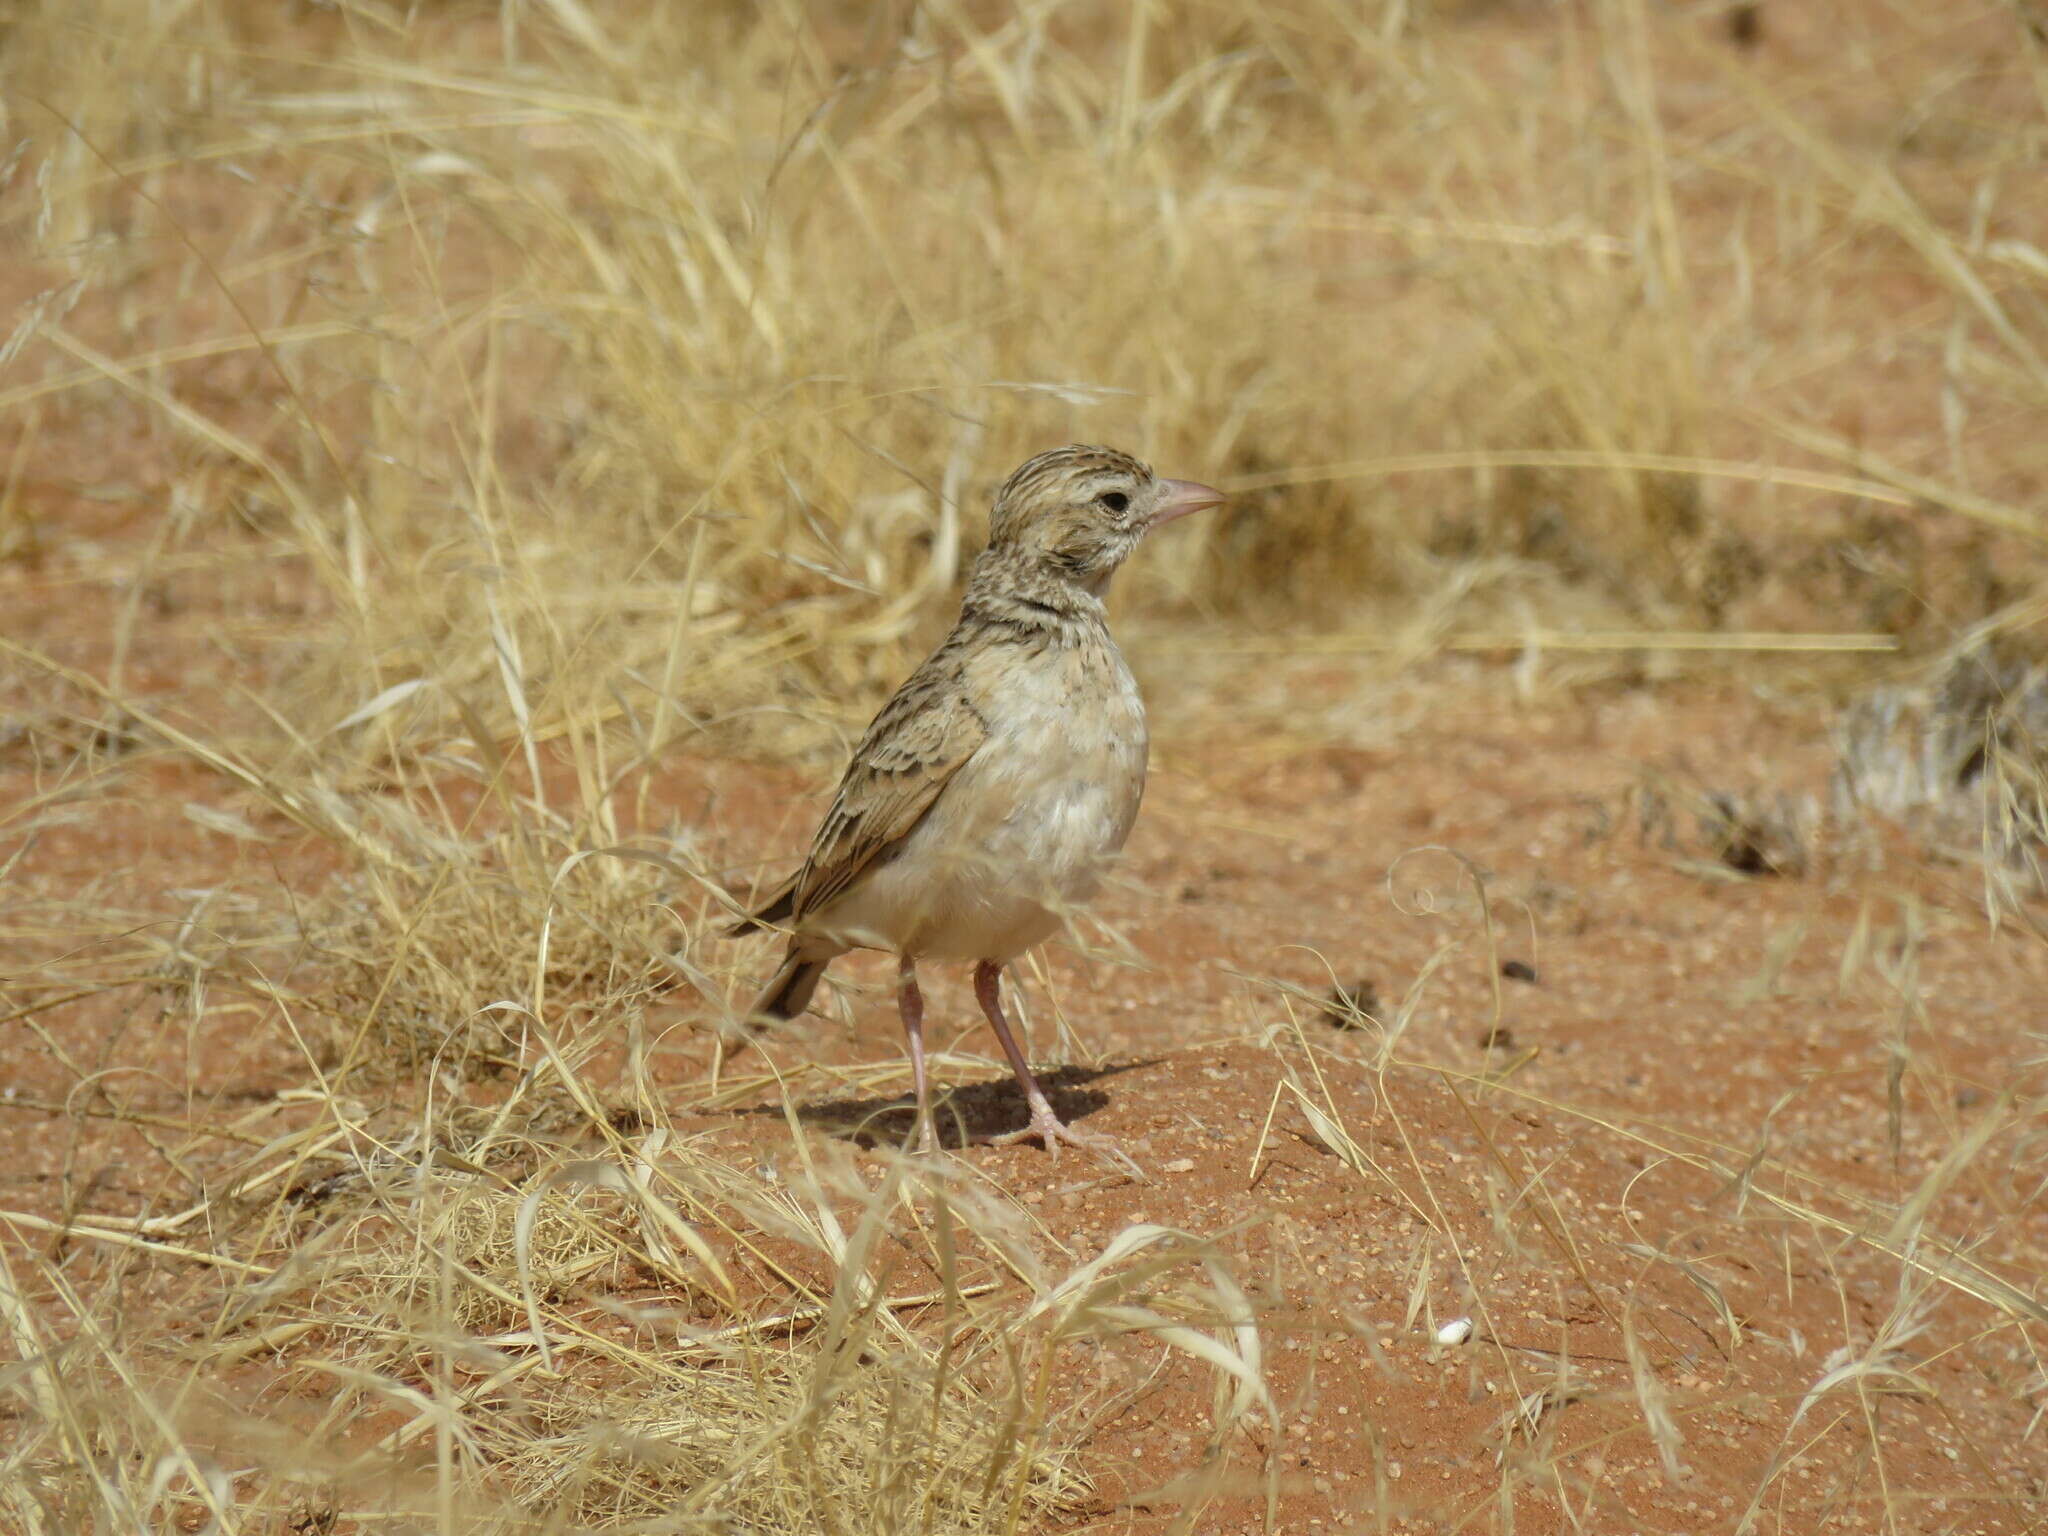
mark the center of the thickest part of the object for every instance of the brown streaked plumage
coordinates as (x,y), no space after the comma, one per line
(987,797)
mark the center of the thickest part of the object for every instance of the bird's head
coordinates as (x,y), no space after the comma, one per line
(1079,511)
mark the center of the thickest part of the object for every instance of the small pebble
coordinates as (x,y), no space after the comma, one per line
(1518,970)
(1456,1331)
(1179,1165)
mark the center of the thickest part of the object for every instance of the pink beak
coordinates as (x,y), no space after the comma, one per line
(1182,497)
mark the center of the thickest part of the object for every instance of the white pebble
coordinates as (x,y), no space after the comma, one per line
(1456,1331)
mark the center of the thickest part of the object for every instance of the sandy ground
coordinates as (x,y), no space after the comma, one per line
(1653,1108)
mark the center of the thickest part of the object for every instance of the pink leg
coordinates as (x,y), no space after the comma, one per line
(1045,1125)
(910,1003)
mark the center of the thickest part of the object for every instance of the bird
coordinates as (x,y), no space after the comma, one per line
(990,794)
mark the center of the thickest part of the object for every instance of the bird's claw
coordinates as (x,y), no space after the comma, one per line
(1047,1127)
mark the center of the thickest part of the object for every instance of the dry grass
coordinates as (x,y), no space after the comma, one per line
(511,399)
(580,378)
(446,964)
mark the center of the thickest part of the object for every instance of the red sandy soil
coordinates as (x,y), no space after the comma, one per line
(1670,1013)
(1555,1151)
(1546,1160)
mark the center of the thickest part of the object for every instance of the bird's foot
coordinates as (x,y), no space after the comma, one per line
(1047,1127)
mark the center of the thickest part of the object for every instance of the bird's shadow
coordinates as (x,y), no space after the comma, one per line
(962,1115)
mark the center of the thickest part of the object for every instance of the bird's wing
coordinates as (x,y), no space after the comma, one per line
(902,765)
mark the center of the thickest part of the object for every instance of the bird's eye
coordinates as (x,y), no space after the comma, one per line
(1116,501)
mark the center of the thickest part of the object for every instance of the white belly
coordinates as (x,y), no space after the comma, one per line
(1025,829)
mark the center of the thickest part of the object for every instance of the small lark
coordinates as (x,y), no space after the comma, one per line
(989,794)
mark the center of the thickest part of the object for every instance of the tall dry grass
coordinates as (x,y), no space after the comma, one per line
(660,362)
(530,393)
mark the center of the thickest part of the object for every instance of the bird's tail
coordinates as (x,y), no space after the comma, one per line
(788,992)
